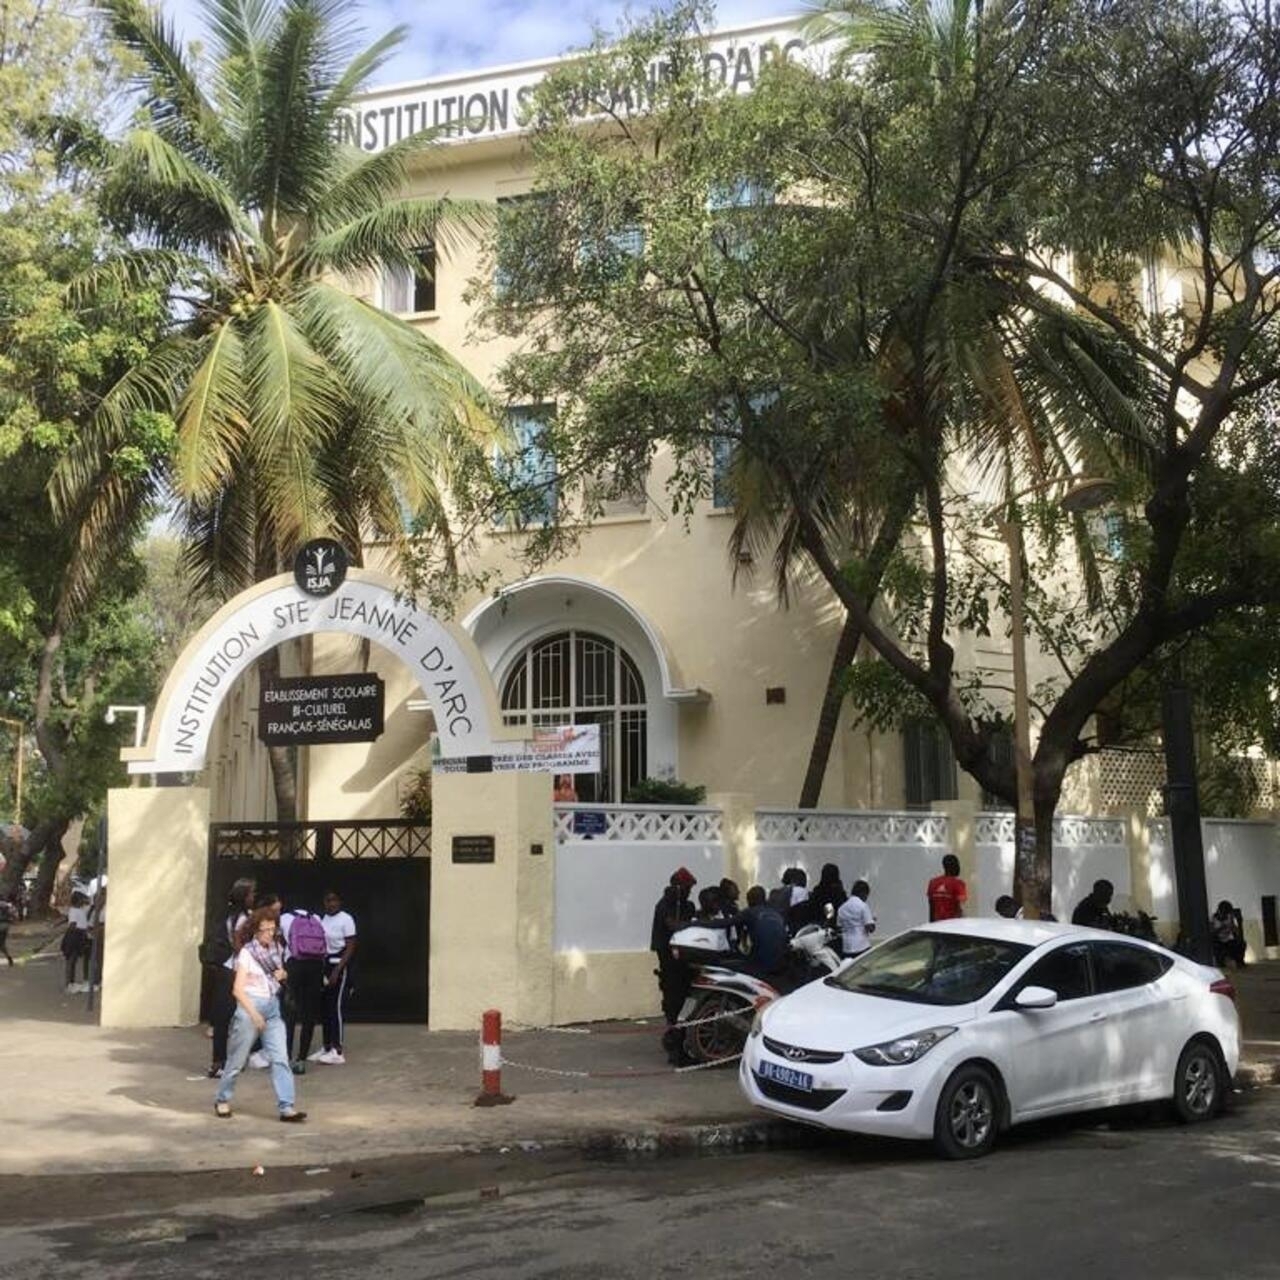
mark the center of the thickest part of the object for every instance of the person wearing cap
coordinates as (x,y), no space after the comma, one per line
(671,912)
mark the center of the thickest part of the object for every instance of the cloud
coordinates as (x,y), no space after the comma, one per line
(489,33)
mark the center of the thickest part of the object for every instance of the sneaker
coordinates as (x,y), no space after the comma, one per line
(259,1060)
(299,1068)
(214,1073)
(335,1059)
(318,1055)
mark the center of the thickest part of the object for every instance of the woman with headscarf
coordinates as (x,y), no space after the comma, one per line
(829,889)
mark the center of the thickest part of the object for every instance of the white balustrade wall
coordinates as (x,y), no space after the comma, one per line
(895,853)
(613,862)
(1084,850)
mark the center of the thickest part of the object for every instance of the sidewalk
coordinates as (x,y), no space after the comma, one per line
(78,1098)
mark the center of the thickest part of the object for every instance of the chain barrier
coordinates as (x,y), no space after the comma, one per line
(636,1027)
(618,1075)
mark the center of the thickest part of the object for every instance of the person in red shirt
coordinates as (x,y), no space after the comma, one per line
(947,892)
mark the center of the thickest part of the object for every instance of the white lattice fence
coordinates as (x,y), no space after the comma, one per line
(1131,780)
(651,824)
(850,826)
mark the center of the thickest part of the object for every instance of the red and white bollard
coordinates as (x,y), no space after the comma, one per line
(491,1094)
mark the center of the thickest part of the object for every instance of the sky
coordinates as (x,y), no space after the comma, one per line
(463,35)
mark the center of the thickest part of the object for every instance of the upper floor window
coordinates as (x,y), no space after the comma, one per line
(725,445)
(406,292)
(929,765)
(529,469)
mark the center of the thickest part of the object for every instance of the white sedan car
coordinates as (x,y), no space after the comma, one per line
(955,1030)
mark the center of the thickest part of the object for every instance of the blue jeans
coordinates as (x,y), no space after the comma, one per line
(243,1034)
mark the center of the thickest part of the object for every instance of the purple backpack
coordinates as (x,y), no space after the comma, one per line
(306,938)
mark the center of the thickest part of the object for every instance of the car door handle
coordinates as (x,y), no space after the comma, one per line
(1098,1017)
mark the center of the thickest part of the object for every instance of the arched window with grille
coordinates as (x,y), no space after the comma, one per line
(578,677)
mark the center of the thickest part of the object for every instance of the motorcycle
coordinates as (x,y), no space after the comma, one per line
(723,1000)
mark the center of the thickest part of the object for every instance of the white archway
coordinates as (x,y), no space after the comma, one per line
(441,656)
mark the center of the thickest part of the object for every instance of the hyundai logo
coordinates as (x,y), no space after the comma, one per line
(795,1053)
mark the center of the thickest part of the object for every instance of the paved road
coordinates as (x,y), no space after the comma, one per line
(1136,1197)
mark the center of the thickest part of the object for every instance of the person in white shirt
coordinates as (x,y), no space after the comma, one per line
(76,942)
(340,939)
(855,921)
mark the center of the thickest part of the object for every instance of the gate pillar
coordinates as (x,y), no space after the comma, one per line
(158,849)
(492,898)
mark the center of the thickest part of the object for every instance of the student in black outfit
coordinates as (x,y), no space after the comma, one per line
(307,952)
(828,890)
(672,911)
(217,953)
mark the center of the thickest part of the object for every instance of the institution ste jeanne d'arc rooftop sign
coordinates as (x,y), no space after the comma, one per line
(322,595)
(492,103)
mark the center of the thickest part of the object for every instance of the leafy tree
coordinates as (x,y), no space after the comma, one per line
(900,322)
(754,274)
(301,409)
(70,642)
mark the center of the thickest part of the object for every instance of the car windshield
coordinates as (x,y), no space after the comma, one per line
(931,968)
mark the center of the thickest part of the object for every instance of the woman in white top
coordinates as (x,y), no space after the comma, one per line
(259,971)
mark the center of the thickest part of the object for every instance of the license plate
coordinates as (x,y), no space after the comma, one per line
(787,1075)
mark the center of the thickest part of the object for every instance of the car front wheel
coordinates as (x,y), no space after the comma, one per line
(1199,1084)
(968,1114)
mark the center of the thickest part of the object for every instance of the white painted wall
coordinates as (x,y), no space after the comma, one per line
(606,889)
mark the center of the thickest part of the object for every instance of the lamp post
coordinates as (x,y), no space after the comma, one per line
(139,714)
(1082,494)
(17,799)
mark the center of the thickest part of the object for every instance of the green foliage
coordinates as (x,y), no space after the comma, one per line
(415,801)
(665,791)
(298,409)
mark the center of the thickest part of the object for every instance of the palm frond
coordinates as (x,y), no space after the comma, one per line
(172,95)
(173,198)
(296,405)
(388,235)
(363,182)
(362,68)
(213,417)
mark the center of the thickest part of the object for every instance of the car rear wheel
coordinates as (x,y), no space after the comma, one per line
(968,1114)
(1200,1083)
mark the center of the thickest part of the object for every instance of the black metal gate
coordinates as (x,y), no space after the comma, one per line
(381,870)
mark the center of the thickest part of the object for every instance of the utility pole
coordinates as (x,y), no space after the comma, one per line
(1182,803)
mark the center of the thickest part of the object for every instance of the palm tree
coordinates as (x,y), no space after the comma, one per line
(300,409)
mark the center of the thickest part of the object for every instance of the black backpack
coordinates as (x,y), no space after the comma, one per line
(216,949)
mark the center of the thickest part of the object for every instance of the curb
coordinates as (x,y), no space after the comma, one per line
(1257,1075)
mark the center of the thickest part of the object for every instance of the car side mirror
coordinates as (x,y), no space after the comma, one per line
(1035,998)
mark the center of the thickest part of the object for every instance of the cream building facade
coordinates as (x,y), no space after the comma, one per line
(642,629)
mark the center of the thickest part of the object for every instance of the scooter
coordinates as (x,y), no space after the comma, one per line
(723,1000)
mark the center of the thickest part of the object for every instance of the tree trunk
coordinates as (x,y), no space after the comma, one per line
(50,861)
(829,714)
(17,864)
(886,542)
(1033,866)
(284,777)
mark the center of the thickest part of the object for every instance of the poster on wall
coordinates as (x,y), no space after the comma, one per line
(308,711)
(567,748)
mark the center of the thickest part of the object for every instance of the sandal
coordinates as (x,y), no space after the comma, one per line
(222,1110)
(292,1117)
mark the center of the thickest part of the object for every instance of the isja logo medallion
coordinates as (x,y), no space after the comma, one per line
(320,567)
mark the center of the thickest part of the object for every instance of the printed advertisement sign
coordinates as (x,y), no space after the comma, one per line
(569,748)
